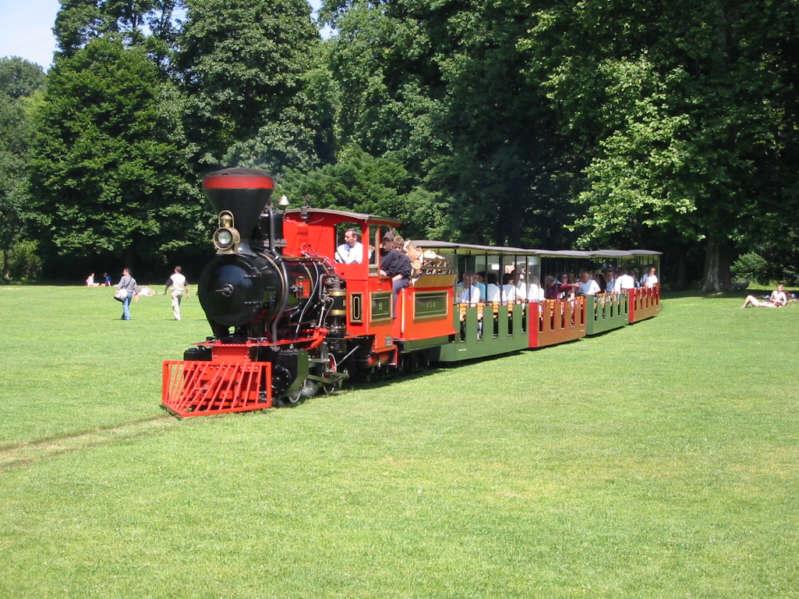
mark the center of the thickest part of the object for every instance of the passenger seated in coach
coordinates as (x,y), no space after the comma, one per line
(588,286)
(492,289)
(600,280)
(471,292)
(551,288)
(351,251)
(610,280)
(508,291)
(567,286)
(520,285)
(395,264)
(535,293)
(624,282)
(480,281)
(651,279)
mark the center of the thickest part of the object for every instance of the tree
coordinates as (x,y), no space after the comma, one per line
(244,66)
(135,21)
(440,87)
(372,185)
(19,81)
(110,165)
(683,113)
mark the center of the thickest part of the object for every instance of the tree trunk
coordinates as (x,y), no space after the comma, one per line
(717,266)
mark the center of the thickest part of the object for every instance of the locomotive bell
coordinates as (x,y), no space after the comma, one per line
(242,194)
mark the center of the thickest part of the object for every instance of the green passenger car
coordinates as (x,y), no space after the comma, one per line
(492,335)
(605,312)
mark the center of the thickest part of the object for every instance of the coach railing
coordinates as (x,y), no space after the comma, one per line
(605,312)
(558,321)
(487,329)
(644,303)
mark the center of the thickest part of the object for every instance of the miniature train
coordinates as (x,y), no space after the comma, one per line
(289,321)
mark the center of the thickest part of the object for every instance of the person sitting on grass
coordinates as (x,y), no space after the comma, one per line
(777,299)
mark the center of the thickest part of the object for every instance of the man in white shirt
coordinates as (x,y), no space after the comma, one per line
(351,251)
(521,286)
(588,286)
(610,280)
(178,283)
(651,279)
(508,290)
(624,283)
(471,292)
(492,289)
(535,293)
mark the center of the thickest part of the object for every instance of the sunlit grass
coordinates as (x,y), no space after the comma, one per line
(658,460)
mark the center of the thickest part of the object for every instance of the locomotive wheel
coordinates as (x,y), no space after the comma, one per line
(291,399)
(332,367)
(306,390)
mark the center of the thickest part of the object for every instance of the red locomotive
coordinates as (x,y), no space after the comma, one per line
(290,317)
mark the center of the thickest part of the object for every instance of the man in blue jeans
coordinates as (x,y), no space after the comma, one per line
(128,283)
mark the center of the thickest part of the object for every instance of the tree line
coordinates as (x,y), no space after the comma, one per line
(669,126)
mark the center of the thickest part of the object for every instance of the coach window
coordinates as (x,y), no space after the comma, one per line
(465,277)
(520,278)
(372,249)
(480,268)
(347,252)
(493,277)
(505,266)
(534,291)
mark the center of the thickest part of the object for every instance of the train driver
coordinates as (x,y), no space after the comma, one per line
(351,251)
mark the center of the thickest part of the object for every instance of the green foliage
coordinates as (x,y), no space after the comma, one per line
(22,261)
(750,267)
(110,164)
(439,87)
(80,21)
(19,82)
(363,183)
(670,126)
(243,66)
(682,112)
(19,78)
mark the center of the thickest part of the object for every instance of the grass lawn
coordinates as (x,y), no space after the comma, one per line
(660,460)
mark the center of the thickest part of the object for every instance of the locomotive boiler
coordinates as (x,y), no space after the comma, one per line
(270,314)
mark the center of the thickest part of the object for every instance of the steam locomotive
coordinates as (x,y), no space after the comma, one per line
(288,321)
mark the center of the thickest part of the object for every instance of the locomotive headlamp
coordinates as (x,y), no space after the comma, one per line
(226,237)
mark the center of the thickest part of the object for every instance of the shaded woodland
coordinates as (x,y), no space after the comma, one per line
(670,126)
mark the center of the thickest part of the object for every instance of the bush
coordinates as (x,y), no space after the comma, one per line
(749,267)
(23,262)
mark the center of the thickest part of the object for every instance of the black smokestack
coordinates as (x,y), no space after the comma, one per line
(244,192)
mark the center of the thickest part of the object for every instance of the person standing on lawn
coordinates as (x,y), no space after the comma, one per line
(179,289)
(128,283)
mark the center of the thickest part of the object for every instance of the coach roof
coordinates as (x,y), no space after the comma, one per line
(471,248)
(346,216)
